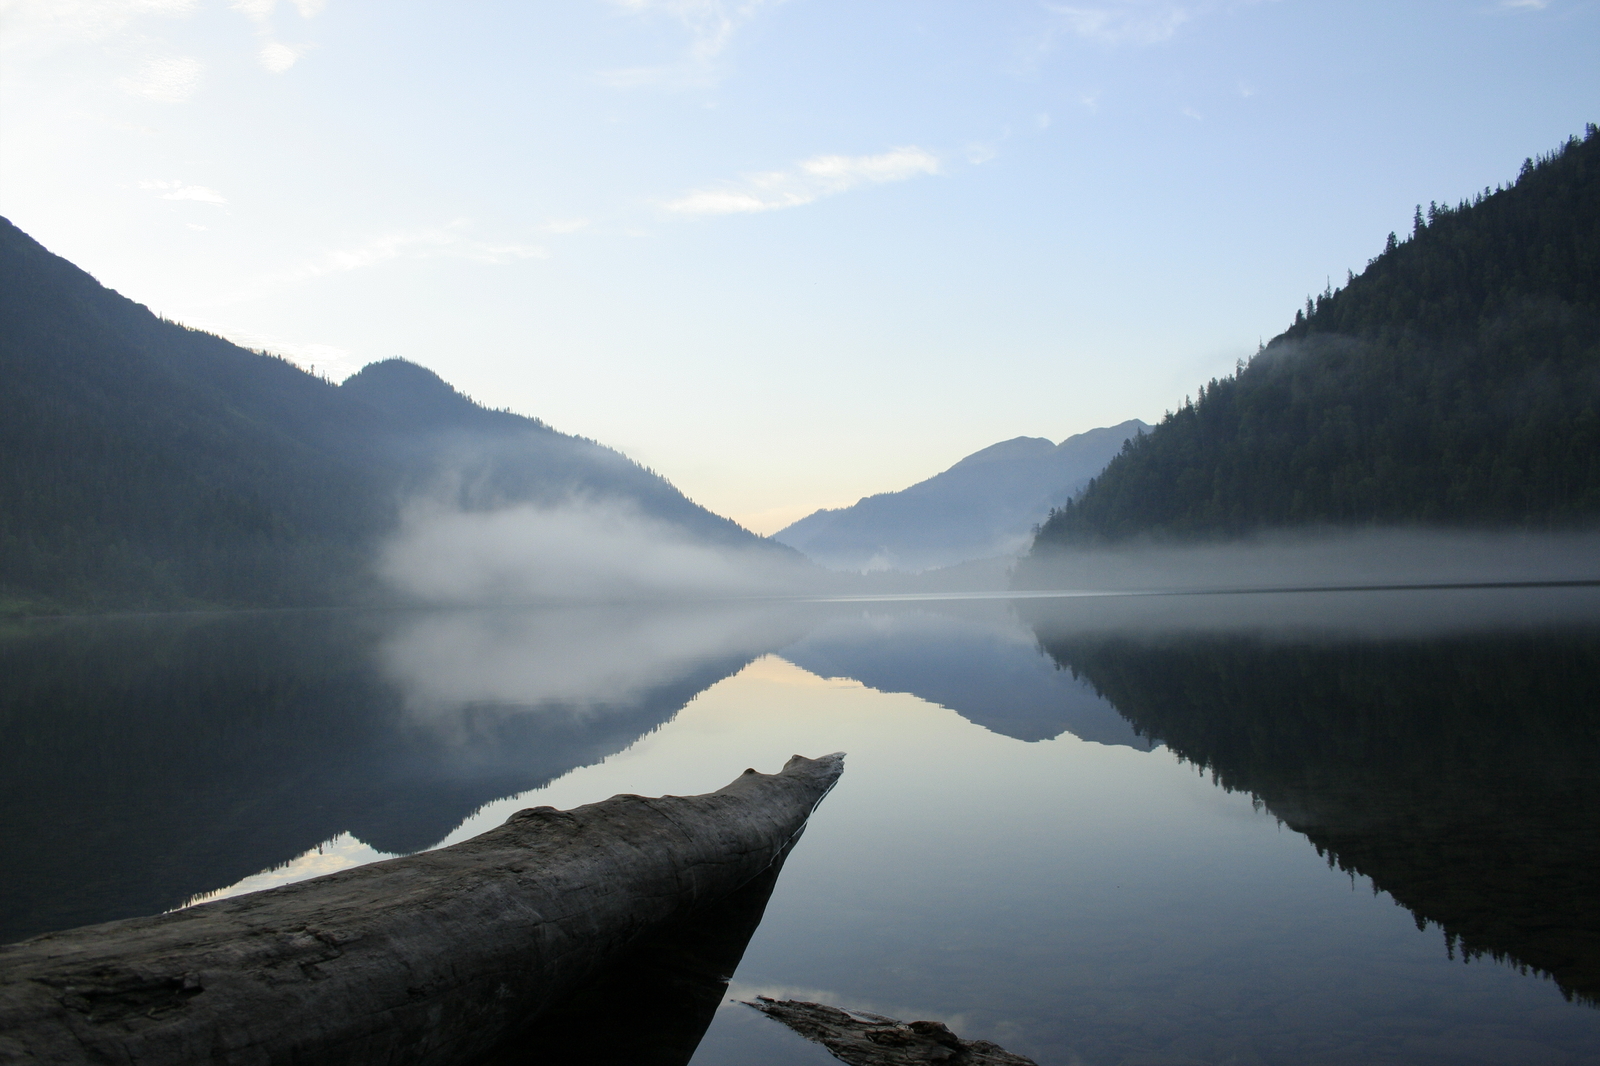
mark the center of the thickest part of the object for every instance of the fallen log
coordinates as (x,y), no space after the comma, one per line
(429,959)
(652,1006)
(859,1038)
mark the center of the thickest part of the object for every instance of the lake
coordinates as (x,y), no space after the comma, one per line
(1337,827)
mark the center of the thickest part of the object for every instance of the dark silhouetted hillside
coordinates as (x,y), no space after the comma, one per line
(1456,381)
(147,465)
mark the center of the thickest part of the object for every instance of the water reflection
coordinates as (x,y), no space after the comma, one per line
(971,657)
(149,762)
(1456,772)
(978,865)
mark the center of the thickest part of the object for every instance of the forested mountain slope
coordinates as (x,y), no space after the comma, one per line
(147,465)
(1456,381)
(985,505)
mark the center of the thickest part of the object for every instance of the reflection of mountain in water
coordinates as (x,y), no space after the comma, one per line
(147,762)
(979,663)
(1459,775)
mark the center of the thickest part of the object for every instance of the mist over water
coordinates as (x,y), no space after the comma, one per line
(579,550)
(1320,560)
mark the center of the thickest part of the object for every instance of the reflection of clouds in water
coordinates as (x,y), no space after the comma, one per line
(578,658)
(341,853)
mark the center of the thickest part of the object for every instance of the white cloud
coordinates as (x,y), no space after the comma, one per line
(379,250)
(565,225)
(1122,21)
(87,18)
(177,190)
(258,10)
(274,55)
(168,79)
(439,243)
(807,181)
(277,57)
(327,360)
(711,25)
(1525,5)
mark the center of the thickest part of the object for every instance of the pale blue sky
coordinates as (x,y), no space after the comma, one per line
(787,253)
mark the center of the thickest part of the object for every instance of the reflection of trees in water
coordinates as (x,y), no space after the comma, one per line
(1459,775)
(148,761)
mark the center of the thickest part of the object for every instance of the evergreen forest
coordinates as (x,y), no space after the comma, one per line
(1455,381)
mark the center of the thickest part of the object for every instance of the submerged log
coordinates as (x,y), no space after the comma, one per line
(432,958)
(862,1039)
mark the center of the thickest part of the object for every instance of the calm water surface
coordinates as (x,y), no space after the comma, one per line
(1331,828)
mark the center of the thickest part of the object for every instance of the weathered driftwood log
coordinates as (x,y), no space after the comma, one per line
(862,1039)
(432,958)
(653,1005)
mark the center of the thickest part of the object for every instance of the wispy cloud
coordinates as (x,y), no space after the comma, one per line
(177,190)
(446,241)
(1122,21)
(167,79)
(807,181)
(327,360)
(277,57)
(565,225)
(274,55)
(443,242)
(1525,5)
(259,10)
(710,24)
(86,18)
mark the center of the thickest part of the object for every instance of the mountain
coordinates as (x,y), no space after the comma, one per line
(147,465)
(986,505)
(1456,381)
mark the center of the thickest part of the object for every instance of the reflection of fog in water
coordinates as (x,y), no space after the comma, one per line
(578,659)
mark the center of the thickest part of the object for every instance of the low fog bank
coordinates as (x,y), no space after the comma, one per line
(1316,561)
(581,550)
(1312,617)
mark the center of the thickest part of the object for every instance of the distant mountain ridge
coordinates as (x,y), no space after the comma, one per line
(985,505)
(147,465)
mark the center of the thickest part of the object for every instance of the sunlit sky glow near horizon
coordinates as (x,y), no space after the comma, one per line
(786,253)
